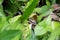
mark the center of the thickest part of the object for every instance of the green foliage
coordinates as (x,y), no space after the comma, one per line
(42,27)
(8,35)
(54,34)
(12,28)
(45,9)
(29,9)
(1,2)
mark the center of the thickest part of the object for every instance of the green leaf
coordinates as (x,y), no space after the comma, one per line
(39,18)
(42,27)
(54,34)
(14,22)
(53,1)
(54,25)
(23,0)
(40,30)
(48,3)
(29,9)
(45,8)
(14,19)
(1,11)
(8,35)
(1,2)
(57,24)
(3,21)
(45,14)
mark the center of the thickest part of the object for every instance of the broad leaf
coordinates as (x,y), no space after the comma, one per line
(29,9)
(40,30)
(1,2)
(54,34)
(42,10)
(8,35)
(3,21)
(43,26)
